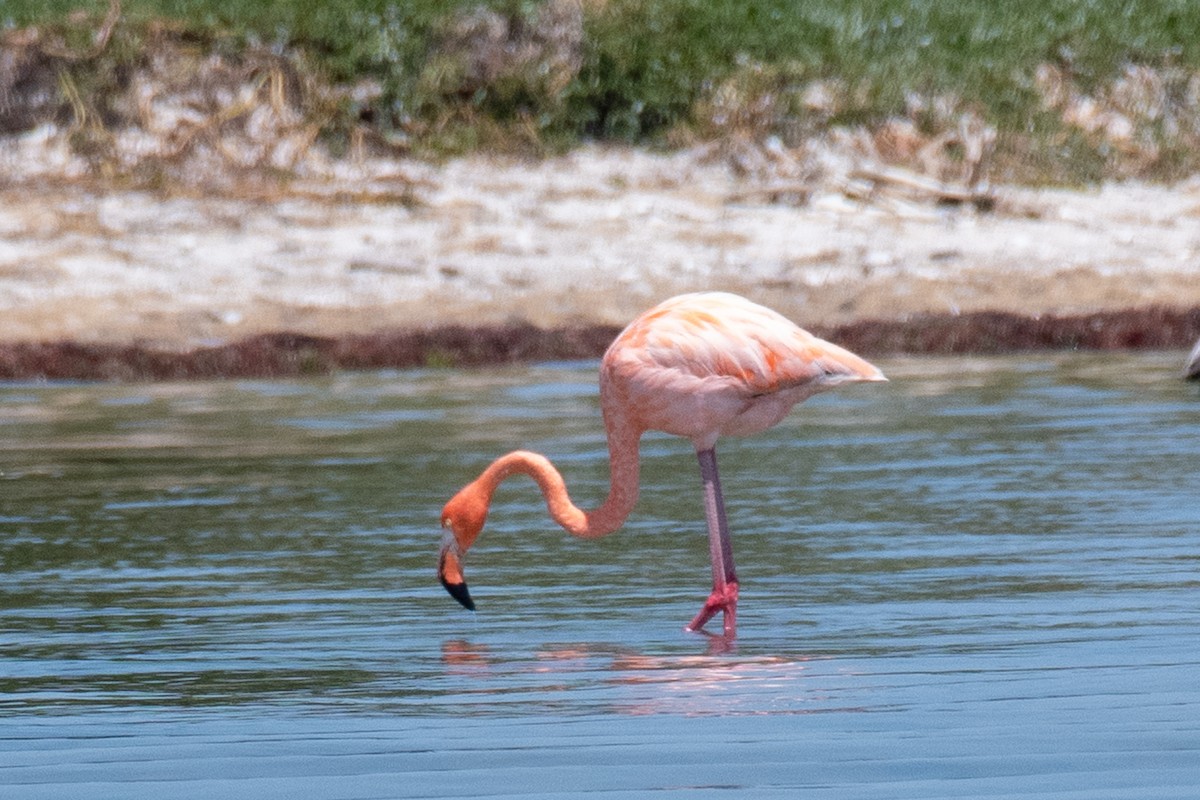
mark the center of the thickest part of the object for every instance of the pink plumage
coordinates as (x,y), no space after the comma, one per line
(701,366)
(710,364)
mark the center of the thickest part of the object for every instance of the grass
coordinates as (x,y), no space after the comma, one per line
(668,71)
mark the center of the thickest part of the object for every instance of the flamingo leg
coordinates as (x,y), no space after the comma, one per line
(725,585)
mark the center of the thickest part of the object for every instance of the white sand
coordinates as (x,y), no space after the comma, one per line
(593,236)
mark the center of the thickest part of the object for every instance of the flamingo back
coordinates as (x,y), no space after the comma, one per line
(706,364)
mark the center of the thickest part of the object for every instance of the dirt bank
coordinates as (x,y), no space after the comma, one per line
(290,355)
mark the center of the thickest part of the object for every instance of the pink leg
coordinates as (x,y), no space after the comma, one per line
(725,586)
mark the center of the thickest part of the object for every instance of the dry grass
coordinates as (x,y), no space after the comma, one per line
(1141,121)
(178,115)
(159,104)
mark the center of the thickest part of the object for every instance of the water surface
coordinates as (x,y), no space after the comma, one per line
(977,580)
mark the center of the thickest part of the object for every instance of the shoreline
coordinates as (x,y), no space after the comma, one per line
(432,259)
(287,355)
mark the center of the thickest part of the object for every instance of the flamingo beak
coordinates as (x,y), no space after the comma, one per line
(450,573)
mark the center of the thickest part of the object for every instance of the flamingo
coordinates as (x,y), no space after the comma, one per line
(698,365)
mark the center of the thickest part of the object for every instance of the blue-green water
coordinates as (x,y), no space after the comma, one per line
(978,580)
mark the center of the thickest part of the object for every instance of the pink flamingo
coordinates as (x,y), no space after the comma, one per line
(1192,370)
(700,366)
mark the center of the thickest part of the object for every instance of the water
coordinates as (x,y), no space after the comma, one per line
(978,580)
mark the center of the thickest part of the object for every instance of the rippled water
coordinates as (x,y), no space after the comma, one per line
(978,580)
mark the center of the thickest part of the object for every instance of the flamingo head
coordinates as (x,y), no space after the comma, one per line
(462,520)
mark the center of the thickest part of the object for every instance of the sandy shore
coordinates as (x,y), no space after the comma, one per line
(591,237)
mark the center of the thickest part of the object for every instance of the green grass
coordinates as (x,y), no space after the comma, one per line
(648,67)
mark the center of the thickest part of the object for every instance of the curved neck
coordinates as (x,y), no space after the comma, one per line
(612,513)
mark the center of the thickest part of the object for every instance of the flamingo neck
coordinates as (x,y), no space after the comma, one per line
(610,515)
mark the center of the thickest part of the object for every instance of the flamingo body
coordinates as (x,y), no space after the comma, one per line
(713,364)
(700,366)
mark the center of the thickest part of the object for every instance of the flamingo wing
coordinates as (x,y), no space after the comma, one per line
(703,364)
(723,336)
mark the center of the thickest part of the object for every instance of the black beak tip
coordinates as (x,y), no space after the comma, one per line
(459,592)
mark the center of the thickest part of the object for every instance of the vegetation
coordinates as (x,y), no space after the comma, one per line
(1071,90)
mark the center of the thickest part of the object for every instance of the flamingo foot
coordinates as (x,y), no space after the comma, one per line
(722,599)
